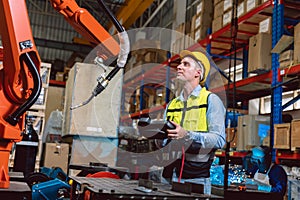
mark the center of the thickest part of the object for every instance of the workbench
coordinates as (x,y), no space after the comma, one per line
(250,194)
(16,191)
(86,169)
(107,188)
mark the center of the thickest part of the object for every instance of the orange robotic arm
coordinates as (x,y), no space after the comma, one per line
(20,82)
(85,24)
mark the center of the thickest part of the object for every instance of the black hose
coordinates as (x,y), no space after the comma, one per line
(112,73)
(115,21)
(233,33)
(14,117)
(120,29)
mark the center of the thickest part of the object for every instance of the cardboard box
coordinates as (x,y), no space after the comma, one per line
(296,53)
(193,23)
(285,64)
(227,17)
(287,55)
(282,136)
(241,9)
(86,149)
(297,33)
(218,9)
(266,141)
(59,76)
(286,59)
(205,6)
(297,44)
(188,41)
(260,57)
(217,24)
(204,19)
(178,44)
(248,128)
(99,117)
(143,43)
(201,33)
(217,1)
(283,43)
(251,4)
(231,136)
(180,29)
(154,56)
(295,136)
(265,26)
(56,155)
(228,4)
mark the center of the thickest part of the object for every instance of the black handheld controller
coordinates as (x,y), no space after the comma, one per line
(154,129)
(169,125)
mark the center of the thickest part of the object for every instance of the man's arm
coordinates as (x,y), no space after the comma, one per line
(278,179)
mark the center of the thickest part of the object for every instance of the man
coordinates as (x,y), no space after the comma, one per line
(269,176)
(199,119)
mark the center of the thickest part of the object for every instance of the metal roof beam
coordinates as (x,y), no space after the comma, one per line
(128,14)
(84,49)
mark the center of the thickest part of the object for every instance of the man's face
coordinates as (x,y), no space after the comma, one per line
(260,163)
(188,70)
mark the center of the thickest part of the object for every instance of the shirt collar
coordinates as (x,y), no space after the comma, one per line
(195,93)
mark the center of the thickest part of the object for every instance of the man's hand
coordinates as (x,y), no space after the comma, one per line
(176,133)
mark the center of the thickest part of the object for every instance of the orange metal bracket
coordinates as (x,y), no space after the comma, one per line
(85,24)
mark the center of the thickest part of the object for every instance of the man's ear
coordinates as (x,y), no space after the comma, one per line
(198,73)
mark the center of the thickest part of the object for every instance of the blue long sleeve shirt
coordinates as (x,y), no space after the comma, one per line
(278,179)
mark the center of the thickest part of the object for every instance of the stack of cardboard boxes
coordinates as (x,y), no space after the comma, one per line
(223,11)
(260,46)
(286,135)
(145,55)
(286,58)
(288,48)
(260,49)
(203,19)
(217,22)
(196,29)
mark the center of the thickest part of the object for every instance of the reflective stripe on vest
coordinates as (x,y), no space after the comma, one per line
(191,115)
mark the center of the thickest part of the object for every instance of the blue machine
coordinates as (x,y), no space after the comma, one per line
(49,184)
(50,190)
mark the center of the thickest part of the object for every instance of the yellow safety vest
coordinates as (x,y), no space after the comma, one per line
(190,114)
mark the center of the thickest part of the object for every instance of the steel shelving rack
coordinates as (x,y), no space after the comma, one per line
(265,83)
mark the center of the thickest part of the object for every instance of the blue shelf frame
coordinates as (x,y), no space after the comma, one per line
(276,94)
